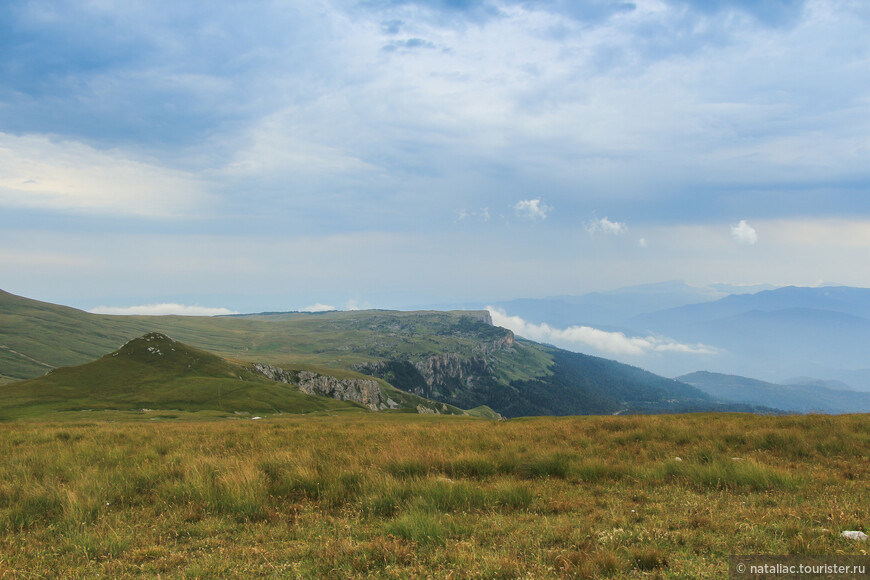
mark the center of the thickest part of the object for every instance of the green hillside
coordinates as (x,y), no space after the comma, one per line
(156,372)
(36,336)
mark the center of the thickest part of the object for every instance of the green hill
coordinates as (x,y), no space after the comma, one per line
(157,372)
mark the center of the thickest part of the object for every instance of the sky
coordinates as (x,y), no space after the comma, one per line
(213,157)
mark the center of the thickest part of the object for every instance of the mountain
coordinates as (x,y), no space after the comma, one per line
(454,358)
(611,309)
(800,398)
(813,382)
(573,384)
(853,302)
(775,334)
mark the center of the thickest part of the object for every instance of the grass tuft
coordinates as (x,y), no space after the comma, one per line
(419,527)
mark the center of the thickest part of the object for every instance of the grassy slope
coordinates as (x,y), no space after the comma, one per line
(157,373)
(405,496)
(59,336)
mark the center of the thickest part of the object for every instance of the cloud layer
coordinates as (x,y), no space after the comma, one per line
(585,337)
(165,309)
(318,307)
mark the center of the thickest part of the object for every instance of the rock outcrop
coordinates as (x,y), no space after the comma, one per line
(448,372)
(441,377)
(366,392)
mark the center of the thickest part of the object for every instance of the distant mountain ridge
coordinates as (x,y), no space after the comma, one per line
(776,333)
(801,398)
(607,309)
(843,300)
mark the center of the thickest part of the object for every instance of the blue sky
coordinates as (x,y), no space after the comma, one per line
(275,155)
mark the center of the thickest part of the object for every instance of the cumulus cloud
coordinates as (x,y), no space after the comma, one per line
(643,243)
(318,308)
(164,309)
(614,343)
(743,233)
(532,209)
(605,226)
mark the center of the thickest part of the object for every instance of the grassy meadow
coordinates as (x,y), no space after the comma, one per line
(397,496)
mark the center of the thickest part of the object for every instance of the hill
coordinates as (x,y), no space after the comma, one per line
(799,398)
(454,358)
(157,372)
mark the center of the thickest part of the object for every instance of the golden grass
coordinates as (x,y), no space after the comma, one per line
(408,496)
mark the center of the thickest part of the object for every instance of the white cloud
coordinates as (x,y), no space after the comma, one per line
(643,243)
(165,309)
(743,233)
(614,343)
(532,209)
(318,308)
(36,171)
(481,215)
(605,226)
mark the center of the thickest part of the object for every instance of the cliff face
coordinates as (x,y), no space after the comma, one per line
(446,373)
(444,377)
(366,392)
(363,391)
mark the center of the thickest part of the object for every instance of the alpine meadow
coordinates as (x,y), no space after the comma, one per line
(435,289)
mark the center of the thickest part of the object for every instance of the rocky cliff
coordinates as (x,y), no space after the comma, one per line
(366,392)
(442,377)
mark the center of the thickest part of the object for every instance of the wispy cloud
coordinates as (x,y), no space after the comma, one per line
(481,215)
(164,309)
(532,209)
(613,343)
(36,171)
(743,233)
(605,226)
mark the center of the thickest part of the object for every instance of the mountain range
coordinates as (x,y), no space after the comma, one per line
(796,398)
(772,334)
(422,361)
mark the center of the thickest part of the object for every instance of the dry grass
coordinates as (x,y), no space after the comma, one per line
(409,496)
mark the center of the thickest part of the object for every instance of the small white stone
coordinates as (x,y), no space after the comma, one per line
(678,458)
